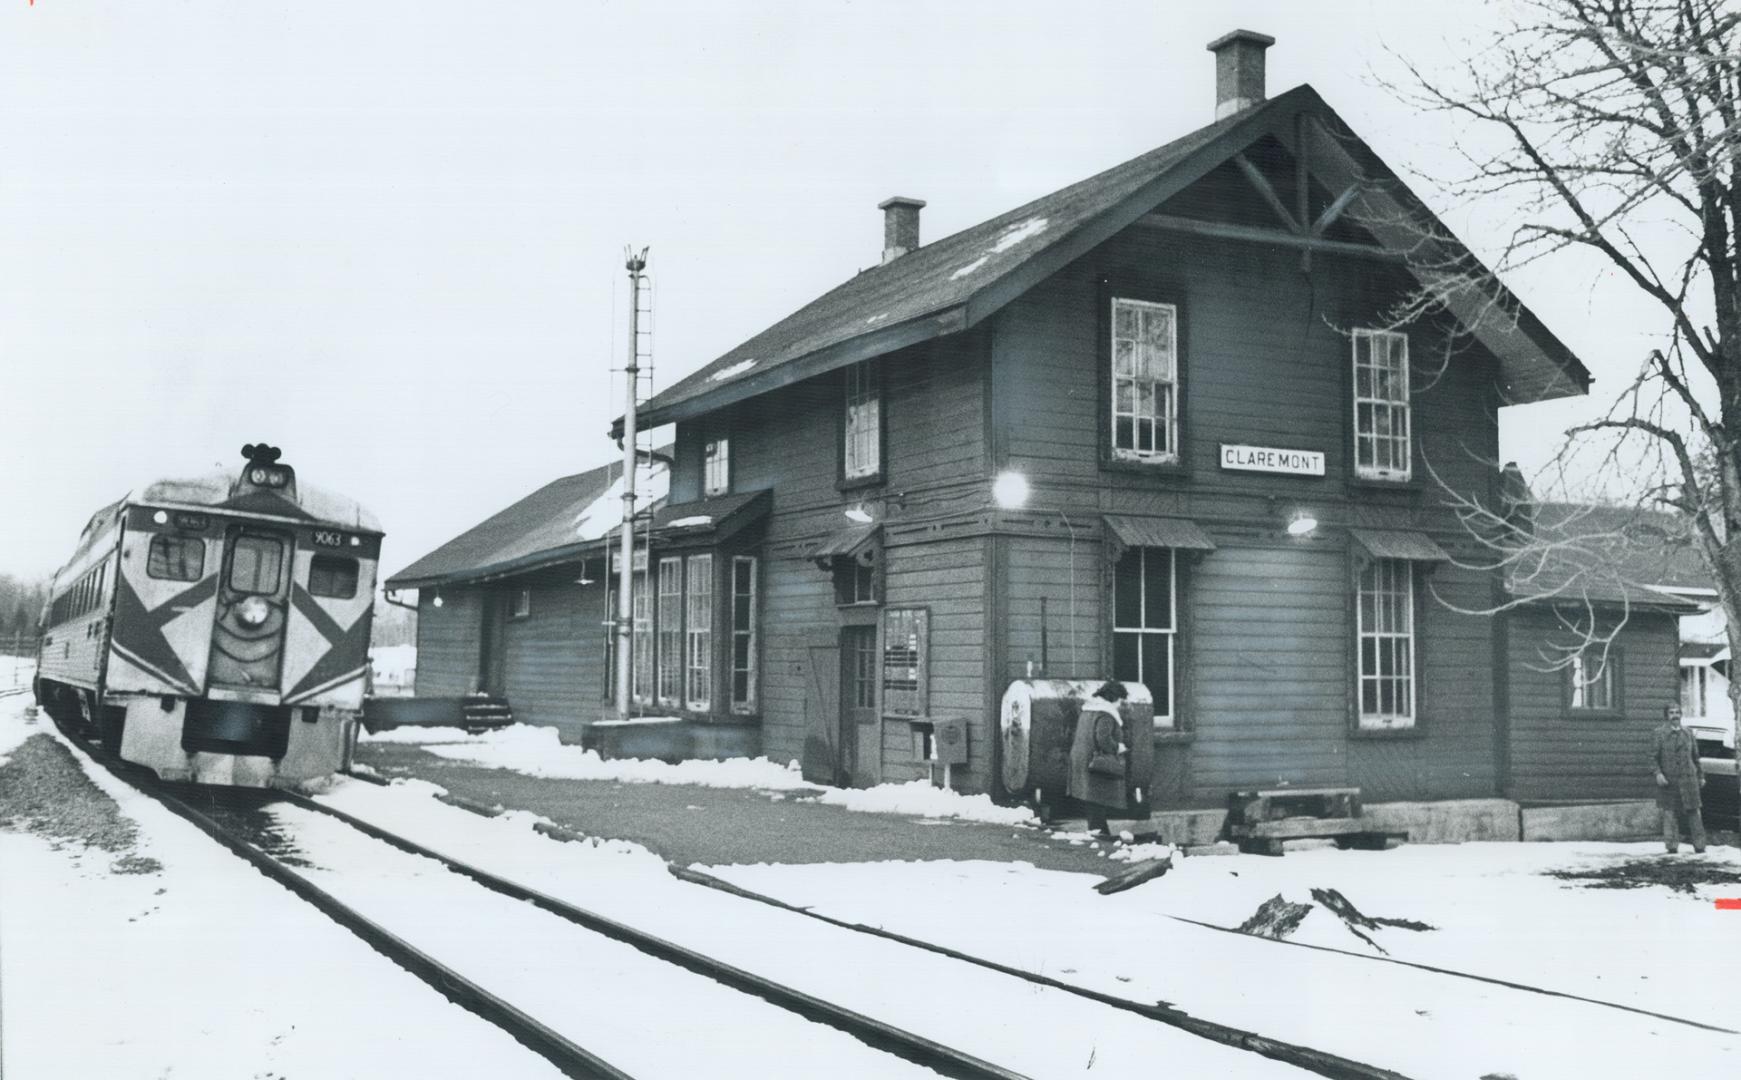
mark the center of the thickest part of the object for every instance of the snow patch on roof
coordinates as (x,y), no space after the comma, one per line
(733,371)
(605,514)
(1017,233)
(970,267)
(694,521)
(877,318)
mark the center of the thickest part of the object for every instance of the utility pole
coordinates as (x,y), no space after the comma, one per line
(634,263)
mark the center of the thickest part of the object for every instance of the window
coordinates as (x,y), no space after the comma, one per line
(1591,682)
(1695,690)
(906,665)
(176,558)
(1381,405)
(256,564)
(854,582)
(522,603)
(670,616)
(1386,612)
(743,634)
(700,630)
(1145,625)
(1145,381)
(862,453)
(716,468)
(641,639)
(336,577)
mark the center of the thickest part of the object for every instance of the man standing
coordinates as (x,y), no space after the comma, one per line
(1678,780)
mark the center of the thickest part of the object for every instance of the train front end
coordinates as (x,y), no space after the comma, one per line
(240,643)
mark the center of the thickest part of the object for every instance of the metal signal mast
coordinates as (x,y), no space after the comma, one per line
(635,264)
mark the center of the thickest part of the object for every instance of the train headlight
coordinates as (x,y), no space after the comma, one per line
(253,611)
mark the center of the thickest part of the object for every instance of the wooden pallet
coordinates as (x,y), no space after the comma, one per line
(1262,821)
(1252,807)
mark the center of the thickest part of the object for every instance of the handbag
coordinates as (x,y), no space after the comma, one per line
(1106,765)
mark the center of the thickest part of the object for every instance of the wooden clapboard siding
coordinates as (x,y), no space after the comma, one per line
(797,613)
(1556,754)
(947,578)
(1270,686)
(1036,568)
(1450,754)
(448,640)
(553,658)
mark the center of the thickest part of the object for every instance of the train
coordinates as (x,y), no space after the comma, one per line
(216,630)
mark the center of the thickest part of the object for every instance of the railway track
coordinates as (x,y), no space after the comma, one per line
(224,817)
(218,817)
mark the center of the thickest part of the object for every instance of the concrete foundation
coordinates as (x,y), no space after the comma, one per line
(1452,821)
(1630,820)
(671,739)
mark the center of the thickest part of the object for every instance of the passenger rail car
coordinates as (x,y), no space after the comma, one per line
(217,630)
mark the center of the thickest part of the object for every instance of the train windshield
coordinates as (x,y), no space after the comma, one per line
(256,564)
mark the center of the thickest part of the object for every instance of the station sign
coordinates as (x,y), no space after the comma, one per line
(1271,459)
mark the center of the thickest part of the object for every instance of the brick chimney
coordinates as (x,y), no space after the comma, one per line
(1238,70)
(900,226)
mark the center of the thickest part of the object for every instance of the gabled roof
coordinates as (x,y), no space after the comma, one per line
(959,281)
(561,521)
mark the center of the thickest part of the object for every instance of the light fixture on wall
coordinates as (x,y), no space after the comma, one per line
(1303,523)
(859,515)
(437,601)
(1010,490)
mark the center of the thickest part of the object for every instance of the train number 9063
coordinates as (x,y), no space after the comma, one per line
(329,538)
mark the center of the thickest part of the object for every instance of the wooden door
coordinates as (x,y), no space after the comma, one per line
(858,691)
(491,644)
(821,762)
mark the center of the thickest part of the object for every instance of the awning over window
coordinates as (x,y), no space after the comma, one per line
(853,542)
(1399,544)
(1167,532)
(717,519)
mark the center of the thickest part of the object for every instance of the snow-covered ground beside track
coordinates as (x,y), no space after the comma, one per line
(1417,1022)
(1032,1030)
(202,969)
(538,751)
(1495,916)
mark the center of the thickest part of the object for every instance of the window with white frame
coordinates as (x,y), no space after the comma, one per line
(522,603)
(670,616)
(1590,681)
(1386,615)
(743,634)
(1145,380)
(1695,691)
(716,467)
(862,452)
(641,640)
(1145,625)
(699,626)
(1381,405)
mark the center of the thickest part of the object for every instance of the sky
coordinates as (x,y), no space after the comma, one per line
(388,237)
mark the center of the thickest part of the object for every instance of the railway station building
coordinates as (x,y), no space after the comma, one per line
(1161,425)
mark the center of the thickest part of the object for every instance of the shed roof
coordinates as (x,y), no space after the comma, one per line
(1614,555)
(562,520)
(956,282)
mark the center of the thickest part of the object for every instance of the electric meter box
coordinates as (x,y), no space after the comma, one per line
(949,741)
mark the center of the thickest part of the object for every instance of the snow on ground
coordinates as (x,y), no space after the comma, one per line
(1035,1031)
(554,971)
(15,672)
(1419,1023)
(536,751)
(203,969)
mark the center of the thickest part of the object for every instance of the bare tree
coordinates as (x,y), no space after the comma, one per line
(1613,129)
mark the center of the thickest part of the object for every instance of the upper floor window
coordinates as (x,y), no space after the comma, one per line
(1386,632)
(862,449)
(1145,380)
(716,467)
(522,602)
(1145,625)
(1381,405)
(1591,682)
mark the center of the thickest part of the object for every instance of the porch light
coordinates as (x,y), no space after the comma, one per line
(1010,490)
(1302,524)
(858,515)
(437,601)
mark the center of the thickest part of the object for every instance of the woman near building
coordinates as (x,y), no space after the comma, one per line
(1098,755)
